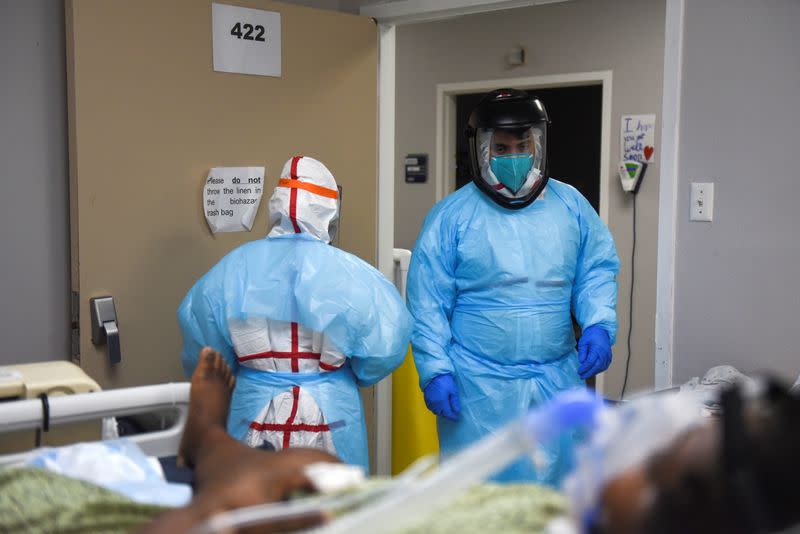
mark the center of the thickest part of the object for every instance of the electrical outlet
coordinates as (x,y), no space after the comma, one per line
(702,202)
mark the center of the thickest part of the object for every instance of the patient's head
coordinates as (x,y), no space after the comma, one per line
(736,474)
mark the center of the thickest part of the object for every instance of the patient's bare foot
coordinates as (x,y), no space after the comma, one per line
(212,384)
(227,473)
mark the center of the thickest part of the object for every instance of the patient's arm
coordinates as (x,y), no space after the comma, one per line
(243,486)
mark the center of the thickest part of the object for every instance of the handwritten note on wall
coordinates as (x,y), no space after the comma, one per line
(638,137)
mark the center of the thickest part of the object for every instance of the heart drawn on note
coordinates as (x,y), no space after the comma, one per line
(648,152)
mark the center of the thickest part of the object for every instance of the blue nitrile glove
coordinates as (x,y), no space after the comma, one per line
(594,352)
(441,397)
(567,411)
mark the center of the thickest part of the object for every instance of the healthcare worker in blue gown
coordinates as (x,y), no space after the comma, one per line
(498,271)
(301,323)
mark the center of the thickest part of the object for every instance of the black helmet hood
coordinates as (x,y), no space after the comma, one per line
(510,109)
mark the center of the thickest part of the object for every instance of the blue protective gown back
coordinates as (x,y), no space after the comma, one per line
(298,278)
(493,292)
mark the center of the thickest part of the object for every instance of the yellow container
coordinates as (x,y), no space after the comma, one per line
(413,425)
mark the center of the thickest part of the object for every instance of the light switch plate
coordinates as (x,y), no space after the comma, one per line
(702,202)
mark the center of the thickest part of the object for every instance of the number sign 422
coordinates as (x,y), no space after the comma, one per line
(247,35)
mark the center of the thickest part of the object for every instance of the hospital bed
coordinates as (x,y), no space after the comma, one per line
(28,381)
(38,413)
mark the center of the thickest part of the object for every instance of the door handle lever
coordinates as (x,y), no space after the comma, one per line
(105,328)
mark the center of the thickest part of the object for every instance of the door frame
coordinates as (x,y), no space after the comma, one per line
(668,192)
(415,11)
(388,16)
(385,231)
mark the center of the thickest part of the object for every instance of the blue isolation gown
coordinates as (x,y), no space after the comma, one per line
(298,278)
(493,292)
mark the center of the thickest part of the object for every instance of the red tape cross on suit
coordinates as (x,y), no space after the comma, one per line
(293,196)
(290,426)
(295,354)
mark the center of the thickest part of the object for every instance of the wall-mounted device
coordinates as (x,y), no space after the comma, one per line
(105,328)
(416,168)
(702,202)
(516,56)
(631,173)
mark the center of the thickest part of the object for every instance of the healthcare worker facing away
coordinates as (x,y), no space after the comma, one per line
(498,271)
(301,323)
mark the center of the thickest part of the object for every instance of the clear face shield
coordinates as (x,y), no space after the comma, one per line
(511,160)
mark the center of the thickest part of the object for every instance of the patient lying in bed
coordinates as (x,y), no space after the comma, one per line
(733,475)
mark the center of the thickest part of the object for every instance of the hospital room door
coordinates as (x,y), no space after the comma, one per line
(148,118)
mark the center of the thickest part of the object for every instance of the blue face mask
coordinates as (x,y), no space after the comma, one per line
(512,170)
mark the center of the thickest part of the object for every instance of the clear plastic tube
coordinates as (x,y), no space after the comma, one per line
(401,509)
(267,513)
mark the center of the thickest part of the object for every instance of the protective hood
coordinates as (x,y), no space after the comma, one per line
(305,201)
(507,138)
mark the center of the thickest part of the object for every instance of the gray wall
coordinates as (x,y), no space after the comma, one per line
(736,281)
(332,5)
(626,36)
(34,225)
(347,6)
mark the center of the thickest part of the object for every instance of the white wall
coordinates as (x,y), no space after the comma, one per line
(34,224)
(625,36)
(736,281)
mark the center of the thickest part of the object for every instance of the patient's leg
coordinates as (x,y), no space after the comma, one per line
(209,399)
(228,474)
(206,445)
